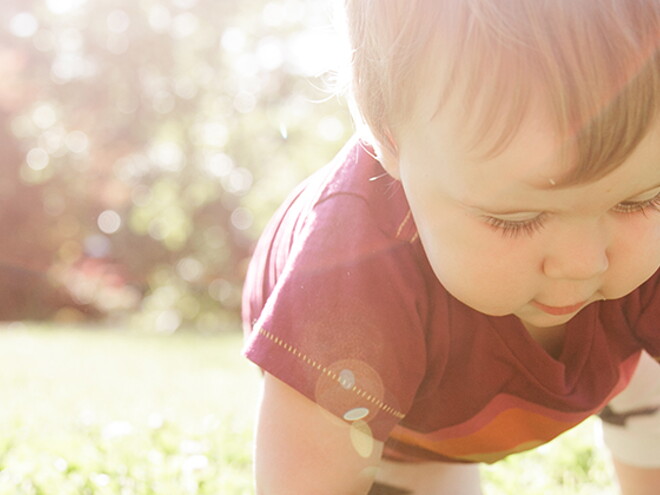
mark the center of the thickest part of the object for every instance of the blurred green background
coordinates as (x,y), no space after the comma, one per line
(145,144)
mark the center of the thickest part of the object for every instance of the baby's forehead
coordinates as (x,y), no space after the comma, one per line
(535,145)
(535,158)
(529,132)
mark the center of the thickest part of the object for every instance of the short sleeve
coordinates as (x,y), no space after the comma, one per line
(645,307)
(344,324)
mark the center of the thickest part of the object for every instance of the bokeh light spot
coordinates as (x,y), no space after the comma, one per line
(314,52)
(213,134)
(277,14)
(246,65)
(167,155)
(273,14)
(52,141)
(190,269)
(63,6)
(116,429)
(347,379)
(185,88)
(184,4)
(331,128)
(239,181)
(97,246)
(269,53)
(71,40)
(109,222)
(37,159)
(242,218)
(159,18)
(362,439)
(77,142)
(224,292)
(44,116)
(195,463)
(68,66)
(23,25)
(244,102)
(219,165)
(101,479)
(118,21)
(60,464)
(356,414)
(168,321)
(184,25)
(233,40)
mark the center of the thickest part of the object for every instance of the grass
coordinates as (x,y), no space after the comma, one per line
(576,463)
(100,412)
(86,412)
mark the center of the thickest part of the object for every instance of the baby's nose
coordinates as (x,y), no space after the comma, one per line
(579,252)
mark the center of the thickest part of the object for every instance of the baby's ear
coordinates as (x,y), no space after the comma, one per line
(388,157)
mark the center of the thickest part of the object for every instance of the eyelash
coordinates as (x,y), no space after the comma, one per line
(643,206)
(514,229)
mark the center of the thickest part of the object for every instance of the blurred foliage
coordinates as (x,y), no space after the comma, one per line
(145,143)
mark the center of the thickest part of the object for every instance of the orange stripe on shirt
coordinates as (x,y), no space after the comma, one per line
(513,430)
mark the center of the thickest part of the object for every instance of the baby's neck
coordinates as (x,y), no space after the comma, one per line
(551,339)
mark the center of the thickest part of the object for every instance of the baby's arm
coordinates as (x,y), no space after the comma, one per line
(631,428)
(301,448)
(637,481)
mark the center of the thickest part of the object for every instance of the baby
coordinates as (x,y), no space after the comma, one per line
(477,272)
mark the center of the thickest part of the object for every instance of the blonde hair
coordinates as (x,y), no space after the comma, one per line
(593,64)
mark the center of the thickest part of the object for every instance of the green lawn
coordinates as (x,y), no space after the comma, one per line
(99,412)
(89,412)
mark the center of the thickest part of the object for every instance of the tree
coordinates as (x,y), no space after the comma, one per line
(146,144)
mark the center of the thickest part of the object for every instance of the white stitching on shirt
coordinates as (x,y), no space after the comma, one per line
(362,393)
(403,224)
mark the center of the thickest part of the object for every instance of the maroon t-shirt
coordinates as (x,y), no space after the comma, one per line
(341,304)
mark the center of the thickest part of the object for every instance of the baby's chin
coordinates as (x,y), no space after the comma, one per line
(490,309)
(548,321)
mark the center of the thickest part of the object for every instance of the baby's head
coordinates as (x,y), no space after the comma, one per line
(526,138)
(590,68)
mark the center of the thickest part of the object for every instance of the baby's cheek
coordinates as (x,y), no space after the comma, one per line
(635,246)
(630,265)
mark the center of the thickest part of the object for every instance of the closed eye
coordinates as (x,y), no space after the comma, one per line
(516,228)
(631,207)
